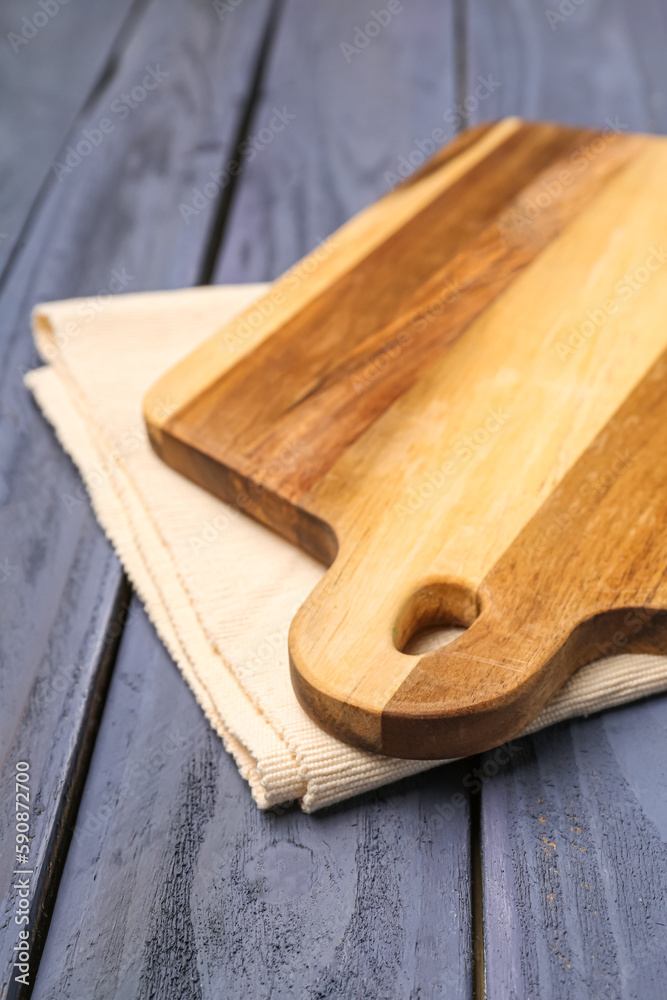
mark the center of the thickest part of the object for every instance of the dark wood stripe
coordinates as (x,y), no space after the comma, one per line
(318,383)
(238,410)
(389,362)
(586,578)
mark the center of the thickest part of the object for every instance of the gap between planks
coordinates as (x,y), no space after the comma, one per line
(227,192)
(461,39)
(45,897)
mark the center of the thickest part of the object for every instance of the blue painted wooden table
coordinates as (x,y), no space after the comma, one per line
(155,876)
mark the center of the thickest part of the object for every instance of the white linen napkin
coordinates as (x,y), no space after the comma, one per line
(221,589)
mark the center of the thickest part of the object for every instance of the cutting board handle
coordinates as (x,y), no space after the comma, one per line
(478,690)
(585,578)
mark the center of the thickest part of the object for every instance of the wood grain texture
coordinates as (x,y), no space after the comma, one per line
(303,286)
(568,603)
(595,62)
(60,581)
(69,653)
(386,303)
(354,119)
(36,116)
(584,918)
(176,885)
(61,586)
(202,879)
(375,473)
(575,862)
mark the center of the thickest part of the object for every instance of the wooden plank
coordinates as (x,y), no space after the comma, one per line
(188,888)
(574,834)
(359,115)
(60,582)
(176,885)
(573,828)
(68,655)
(596,65)
(40,45)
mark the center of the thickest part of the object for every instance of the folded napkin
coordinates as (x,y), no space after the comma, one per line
(221,589)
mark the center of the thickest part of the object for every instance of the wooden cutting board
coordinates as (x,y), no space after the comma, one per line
(459,402)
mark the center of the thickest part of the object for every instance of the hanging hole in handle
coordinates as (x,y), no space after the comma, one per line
(434,616)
